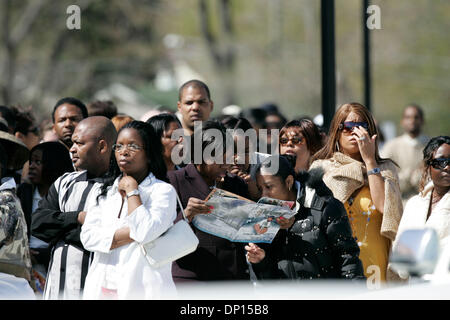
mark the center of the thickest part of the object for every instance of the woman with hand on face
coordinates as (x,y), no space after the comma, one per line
(317,242)
(300,138)
(243,147)
(365,183)
(431,207)
(134,208)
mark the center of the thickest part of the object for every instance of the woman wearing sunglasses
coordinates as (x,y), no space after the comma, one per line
(134,207)
(365,183)
(431,207)
(301,139)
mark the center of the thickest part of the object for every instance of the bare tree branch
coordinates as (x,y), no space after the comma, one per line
(27,19)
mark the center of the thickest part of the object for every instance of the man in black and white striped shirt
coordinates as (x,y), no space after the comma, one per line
(61,212)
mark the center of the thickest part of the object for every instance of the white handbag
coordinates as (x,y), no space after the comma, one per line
(178,241)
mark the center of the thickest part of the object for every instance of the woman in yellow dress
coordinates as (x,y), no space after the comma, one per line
(365,183)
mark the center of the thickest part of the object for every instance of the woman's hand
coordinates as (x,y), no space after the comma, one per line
(196,206)
(366,145)
(367,148)
(285,223)
(254,253)
(127,184)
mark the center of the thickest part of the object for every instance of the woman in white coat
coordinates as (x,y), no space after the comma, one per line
(431,207)
(137,208)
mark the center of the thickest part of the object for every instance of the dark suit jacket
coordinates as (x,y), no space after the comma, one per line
(215,258)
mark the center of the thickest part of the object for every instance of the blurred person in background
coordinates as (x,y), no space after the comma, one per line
(26,130)
(365,183)
(46,130)
(256,117)
(194,104)
(164,125)
(302,139)
(431,207)
(406,150)
(120,120)
(317,242)
(274,120)
(242,166)
(155,111)
(48,161)
(67,113)
(8,115)
(149,114)
(104,108)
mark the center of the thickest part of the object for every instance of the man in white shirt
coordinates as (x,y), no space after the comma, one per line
(406,150)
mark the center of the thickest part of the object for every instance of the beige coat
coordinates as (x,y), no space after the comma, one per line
(344,175)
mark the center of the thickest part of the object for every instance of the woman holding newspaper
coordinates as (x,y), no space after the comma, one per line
(317,242)
(147,209)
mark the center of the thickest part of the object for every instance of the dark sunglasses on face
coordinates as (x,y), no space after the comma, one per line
(440,163)
(348,126)
(294,140)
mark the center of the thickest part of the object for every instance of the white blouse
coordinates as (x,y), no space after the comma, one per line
(415,215)
(125,268)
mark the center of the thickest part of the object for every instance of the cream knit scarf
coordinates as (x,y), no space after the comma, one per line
(344,175)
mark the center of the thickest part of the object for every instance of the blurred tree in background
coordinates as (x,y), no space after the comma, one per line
(248,52)
(43,60)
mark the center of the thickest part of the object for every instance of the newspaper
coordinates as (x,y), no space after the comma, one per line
(239,219)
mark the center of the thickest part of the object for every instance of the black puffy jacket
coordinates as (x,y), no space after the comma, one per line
(319,244)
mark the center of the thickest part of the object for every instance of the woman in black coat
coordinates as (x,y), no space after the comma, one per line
(317,242)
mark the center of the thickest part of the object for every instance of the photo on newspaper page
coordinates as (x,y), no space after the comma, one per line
(239,219)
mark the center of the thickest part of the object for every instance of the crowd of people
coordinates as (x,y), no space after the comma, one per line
(80,193)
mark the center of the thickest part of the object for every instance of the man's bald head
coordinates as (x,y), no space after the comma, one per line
(93,139)
(100,127)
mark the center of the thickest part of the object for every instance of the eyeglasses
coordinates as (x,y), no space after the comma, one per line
(130,147)
(348,126)
(440,163)
(294,140)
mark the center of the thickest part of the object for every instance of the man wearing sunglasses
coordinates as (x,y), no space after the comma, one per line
(406,150)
